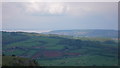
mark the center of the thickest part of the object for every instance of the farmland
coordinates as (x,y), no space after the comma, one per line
(56,50)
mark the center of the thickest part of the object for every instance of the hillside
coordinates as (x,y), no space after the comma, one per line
(86,33)
(59,50)
(17,61)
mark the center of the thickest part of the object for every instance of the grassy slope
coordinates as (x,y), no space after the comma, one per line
(17,61)
(90,60)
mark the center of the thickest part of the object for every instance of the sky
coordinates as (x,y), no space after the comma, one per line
(59,15)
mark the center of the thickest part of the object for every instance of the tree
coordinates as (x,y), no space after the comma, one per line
(3,54)
(14,55)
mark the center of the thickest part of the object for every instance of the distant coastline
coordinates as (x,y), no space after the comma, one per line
(29,31)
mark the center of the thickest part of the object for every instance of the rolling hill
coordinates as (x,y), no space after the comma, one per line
(59,50)
(86,33)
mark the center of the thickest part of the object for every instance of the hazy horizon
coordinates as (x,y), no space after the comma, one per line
(42,31)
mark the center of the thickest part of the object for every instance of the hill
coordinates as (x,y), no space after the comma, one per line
(86,33)
(59,50)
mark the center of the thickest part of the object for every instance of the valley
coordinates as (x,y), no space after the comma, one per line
(61,50)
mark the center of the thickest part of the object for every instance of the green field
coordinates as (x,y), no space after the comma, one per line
(58,50)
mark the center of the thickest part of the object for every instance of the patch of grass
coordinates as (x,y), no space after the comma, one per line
(55,47)
(14,52)
(17,61)
(30,53)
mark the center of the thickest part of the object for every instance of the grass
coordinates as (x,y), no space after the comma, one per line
(55,47)
(31,53)
(14,52)
(17,61)
(93,39)
(81,61)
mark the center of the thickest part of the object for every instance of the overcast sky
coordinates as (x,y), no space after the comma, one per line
(59,15)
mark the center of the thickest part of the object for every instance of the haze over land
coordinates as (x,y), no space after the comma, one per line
(99,33)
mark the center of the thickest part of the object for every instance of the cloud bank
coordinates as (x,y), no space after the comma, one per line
(68,8)
(59,15)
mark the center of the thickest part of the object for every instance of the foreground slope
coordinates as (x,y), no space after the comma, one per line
(17,61)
